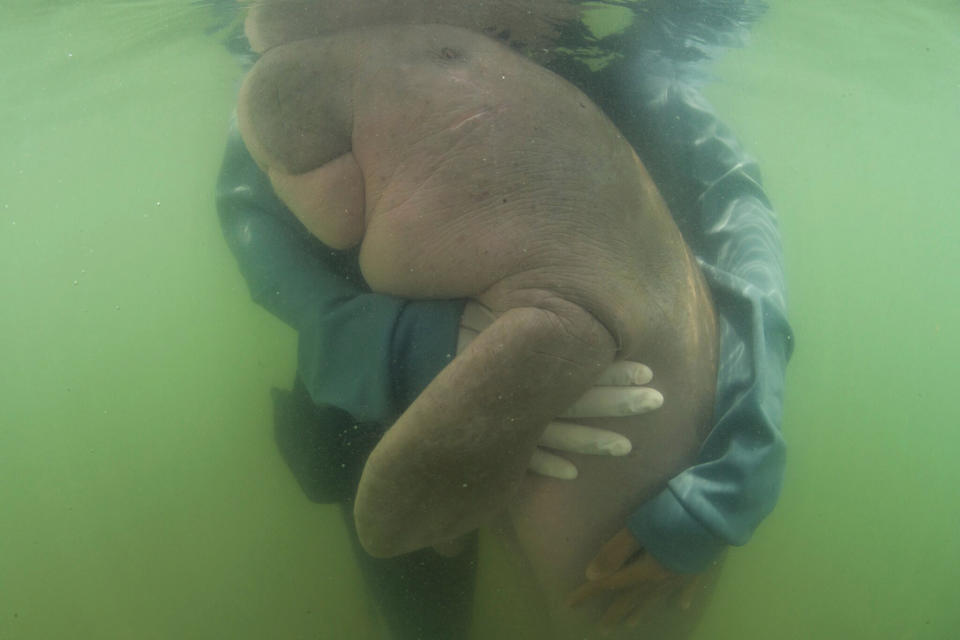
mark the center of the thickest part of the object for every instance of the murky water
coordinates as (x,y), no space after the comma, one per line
(142,494)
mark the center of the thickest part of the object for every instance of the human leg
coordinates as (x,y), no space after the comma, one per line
(421,595)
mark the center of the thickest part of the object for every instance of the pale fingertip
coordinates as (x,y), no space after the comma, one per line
(642,374)
(476,316)
(551,466)
(464,337)
(646,400)
(595,572)
(617,447)
(625,373)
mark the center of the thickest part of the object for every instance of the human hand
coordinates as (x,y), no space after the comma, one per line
(619,391)
(635,580)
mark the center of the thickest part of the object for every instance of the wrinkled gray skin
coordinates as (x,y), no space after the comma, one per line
(464,170)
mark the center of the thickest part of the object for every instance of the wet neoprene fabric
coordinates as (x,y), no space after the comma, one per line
(363,357)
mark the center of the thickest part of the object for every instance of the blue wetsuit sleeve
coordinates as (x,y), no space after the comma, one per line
(715,193)
(365,353)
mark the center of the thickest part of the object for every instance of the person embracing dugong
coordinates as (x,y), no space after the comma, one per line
(463,170)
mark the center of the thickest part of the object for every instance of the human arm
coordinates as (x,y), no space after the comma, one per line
(725,216)
(366,353)
(713,189)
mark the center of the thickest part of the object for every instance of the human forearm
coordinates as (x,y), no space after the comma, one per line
(736,481)
(715,193)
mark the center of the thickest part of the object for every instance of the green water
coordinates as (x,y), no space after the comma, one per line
(141,493)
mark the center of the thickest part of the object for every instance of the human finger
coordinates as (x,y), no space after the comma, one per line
(622,606)
(476,316)
(577,438)
(633,574)
(547,464)
(613,555)
(689,591)
(583,593)
(624,373)
(612,402)
(464,338)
